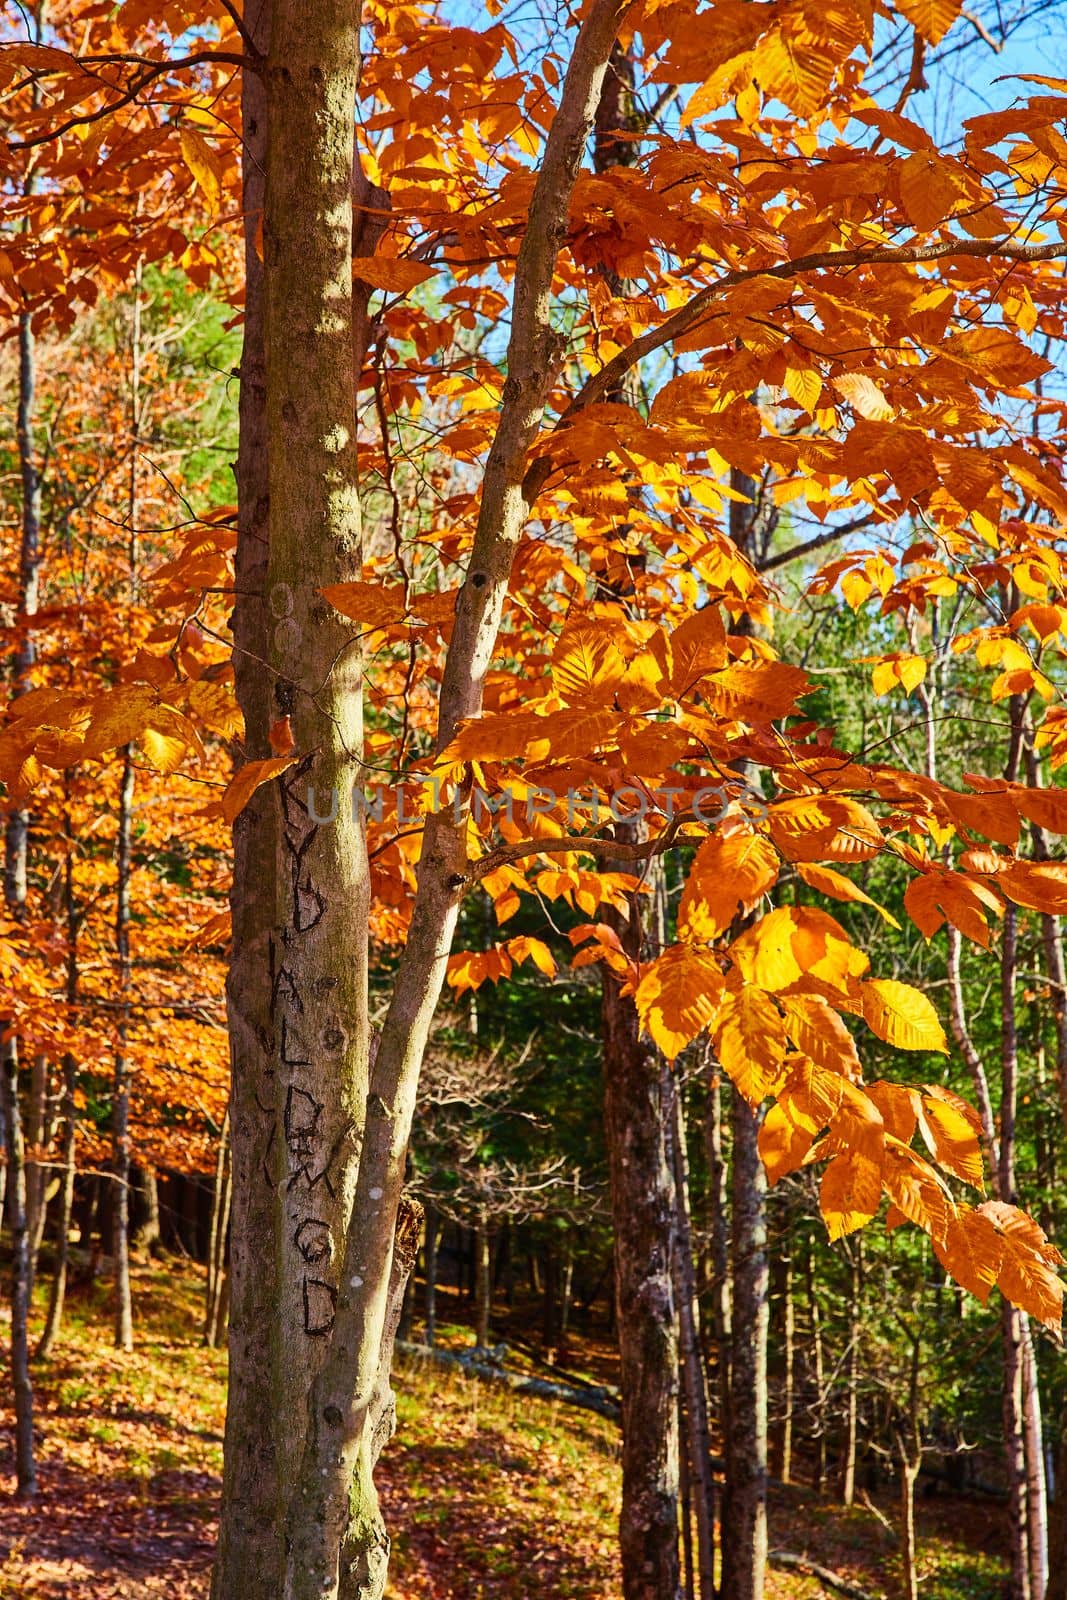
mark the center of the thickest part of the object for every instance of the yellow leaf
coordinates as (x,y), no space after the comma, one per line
(390,273)
(117,717)
(803,385)
(818,827)
(782,1143)
(586,664)
(794,66)
(907,671)
(811,1094)
(203,162)
(678,997)
(817,1030)
(864,396)
(759,693)
(1026,1277)
(164,751)
(750,1042)
(971,1250)
(950,1130)
(697,648)
(902,1015)
(244,783)
(928,189)
(850,1193)
(729,873)
(912,1185)
(931,18)
(525,948)
(376,605)
(826,881)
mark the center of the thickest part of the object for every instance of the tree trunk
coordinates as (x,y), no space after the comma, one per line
(1015,1453)
(910,1449)
(818,1373)
(38,1137)
(852,1367)
(331,1307)
(16,843)
(483,1281)
(566,1288)
(642,1206)
(433,1233)
(1034,1458)
(217,1274)
(57,1296)
(701,1480)
(1057,1566)
(685,1497)
(719,1228)
(149,1236)
(249,1556)
(785,1448)
(25,1462)
(909,1471)
(744,1556)
(120,1111)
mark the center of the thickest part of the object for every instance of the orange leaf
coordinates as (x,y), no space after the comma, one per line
(390,273)
(247,779)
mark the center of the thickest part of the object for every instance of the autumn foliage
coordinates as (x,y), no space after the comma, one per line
(835,335)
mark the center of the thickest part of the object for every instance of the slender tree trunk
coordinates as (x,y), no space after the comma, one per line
(149,1234)
(744,1556)
(642,1187)
(1034,1458)
(1015,1453)
(38,1137)
(642,1201)
(217,1274)
(694,1383)
(1024,1519)
(785,1448)
(483,1282)
(16,848)
(68,1110)
(852,1368)
(818,1373)
(120,1113)
(58,1292)
(433,1234)
(1057,1566)
(685,1499)
(566,1288)
(909,1471)
(719,1219)
(910,1451)
(25,1462)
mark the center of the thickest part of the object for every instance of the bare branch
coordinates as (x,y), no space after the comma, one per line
(577,844)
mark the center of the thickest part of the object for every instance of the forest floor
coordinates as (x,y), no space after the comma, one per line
(492,1495)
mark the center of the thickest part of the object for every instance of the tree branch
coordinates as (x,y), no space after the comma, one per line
(149,75)
(828,536)
(576,844)
(604,382)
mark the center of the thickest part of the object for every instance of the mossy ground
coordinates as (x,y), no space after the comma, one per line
(491,1495)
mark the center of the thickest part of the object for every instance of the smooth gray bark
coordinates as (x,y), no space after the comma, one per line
(25,1461)
(744,1540)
